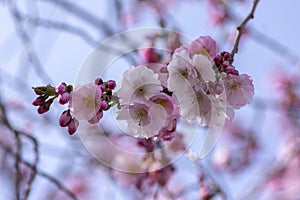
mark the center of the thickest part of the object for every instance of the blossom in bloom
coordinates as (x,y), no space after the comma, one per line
(138,84)
(85,101)
(185,81)
(181,71)
(204,45)
(168,104)
(142,120)
(204,67)
(239,90)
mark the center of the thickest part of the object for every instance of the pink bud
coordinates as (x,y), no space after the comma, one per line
(225,64)
(96,118)
(98,81)
(60,88)
(65,118)
(103,88)
(104,105)
(227,56)
(43,108)
(218,59)
(39,101)
(64,98)
(111,84)
(72,127)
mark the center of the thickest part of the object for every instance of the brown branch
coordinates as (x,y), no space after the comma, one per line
(262,39)
(241,27)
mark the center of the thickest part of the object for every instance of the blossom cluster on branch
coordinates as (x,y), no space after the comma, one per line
(153,96)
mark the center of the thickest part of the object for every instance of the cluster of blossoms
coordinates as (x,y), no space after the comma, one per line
(86,102)
(146,105)
(153,96)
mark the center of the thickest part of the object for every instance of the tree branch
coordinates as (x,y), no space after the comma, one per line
(241,27)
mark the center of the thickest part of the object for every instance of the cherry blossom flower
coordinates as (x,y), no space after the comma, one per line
(185,80)
(204,67)
(138,84)
(204,45)
(143,121)
(239,90)
(181,71)
(85,101)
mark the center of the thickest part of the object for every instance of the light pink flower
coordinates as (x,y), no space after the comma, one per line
(239,90)
(138,84)
(85,101)
(204,45)
(142,120)
(181,71)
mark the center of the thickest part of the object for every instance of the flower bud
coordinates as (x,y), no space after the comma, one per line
(60,88)
(103,87)
(111,84)
(64,98)
(43,108)
(98,81)
(72,127)
(104,105)
(65,118)
(218,59)
(227,56)
(39,100)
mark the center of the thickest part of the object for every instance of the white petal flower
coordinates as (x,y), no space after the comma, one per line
(138,84)
(204,67)
(142,120)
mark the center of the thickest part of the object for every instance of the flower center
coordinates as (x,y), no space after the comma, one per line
(89,101)
(141,91)
(234,85)
(140,115)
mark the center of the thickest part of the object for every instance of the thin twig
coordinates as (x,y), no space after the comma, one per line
(267,41)
(241,27)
